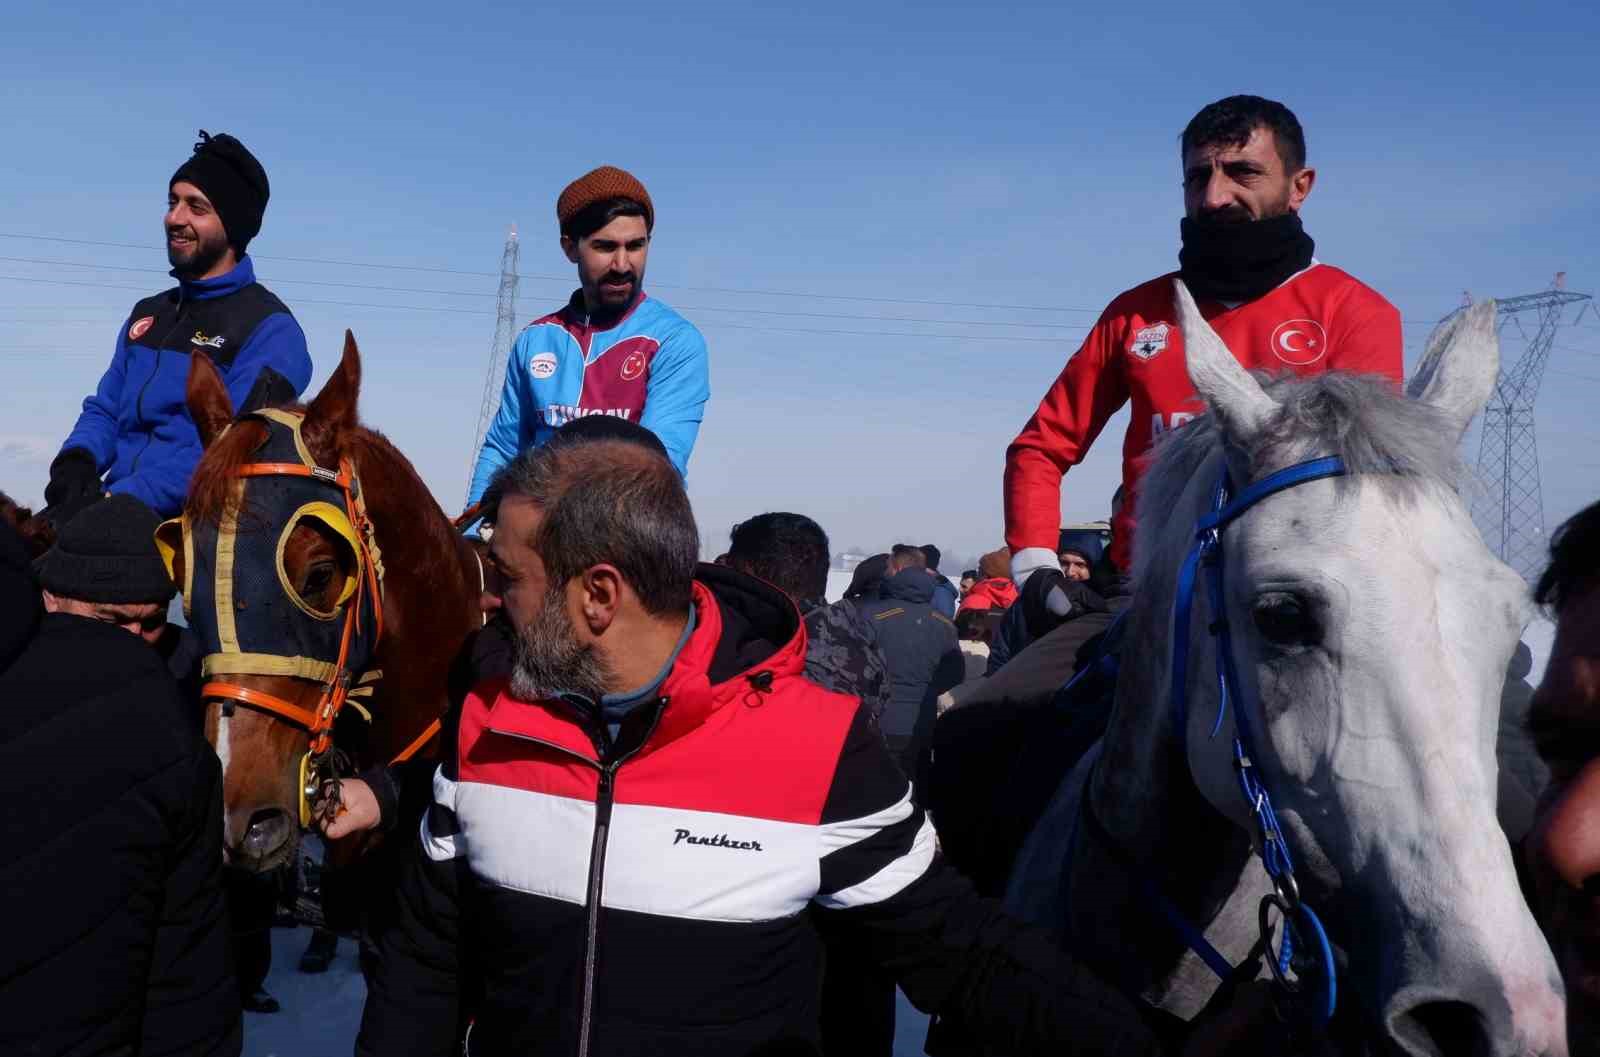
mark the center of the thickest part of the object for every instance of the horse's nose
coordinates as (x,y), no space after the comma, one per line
(270,833)
(1478,1021)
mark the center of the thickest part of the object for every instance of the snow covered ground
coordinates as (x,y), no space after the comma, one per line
(321,1013)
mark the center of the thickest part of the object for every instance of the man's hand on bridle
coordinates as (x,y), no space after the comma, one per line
(353,810)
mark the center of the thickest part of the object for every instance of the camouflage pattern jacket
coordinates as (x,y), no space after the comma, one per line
(842,653)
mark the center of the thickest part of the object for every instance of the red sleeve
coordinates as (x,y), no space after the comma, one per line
(1371,341)
(1088,391)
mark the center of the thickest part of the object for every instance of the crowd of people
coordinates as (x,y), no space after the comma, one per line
(679,807)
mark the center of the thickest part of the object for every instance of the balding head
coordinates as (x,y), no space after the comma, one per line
(613,500)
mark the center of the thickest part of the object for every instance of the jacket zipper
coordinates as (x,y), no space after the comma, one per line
(597,866)
(605,797)
(138,405)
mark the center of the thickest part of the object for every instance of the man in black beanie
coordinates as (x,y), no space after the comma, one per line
(134,435)
(105,567)
(118,937)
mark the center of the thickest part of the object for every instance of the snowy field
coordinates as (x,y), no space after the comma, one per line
(321,1013)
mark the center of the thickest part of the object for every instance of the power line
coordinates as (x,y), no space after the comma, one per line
(715,325)
(567,279)
(710,325)
(481,293)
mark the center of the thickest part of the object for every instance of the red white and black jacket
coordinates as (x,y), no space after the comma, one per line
(660,894)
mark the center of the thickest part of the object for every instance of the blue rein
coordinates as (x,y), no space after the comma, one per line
(1301,923)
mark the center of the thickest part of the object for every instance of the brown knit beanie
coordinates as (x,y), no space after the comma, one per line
(995,565)
(608,181)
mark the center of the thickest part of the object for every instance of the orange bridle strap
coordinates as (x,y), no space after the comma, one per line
(318,723)
(261,702)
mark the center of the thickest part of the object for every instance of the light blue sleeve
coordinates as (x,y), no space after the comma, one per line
(675,400)
(507,434)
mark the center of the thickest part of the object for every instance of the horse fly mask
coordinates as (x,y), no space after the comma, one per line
(259,624)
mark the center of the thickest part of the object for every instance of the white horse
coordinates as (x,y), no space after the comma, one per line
(1371,632)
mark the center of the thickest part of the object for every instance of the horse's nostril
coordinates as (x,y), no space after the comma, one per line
(1442,1028)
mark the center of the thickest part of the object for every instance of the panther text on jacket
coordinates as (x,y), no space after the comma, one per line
(721,840)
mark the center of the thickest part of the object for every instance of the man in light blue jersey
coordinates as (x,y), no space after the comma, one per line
(611,350)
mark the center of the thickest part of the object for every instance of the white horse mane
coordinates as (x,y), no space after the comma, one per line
(1360,418)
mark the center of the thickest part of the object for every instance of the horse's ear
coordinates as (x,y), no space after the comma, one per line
(1230,393)
(333,412)
(207,396)
(1460,365)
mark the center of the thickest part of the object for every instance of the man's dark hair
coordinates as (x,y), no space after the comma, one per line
(969,574)
(973,625)
(933,554)
(1229,122)
(613,500)
(1574,559)
(589,427)
(596,215)
(905,556)
(789,551)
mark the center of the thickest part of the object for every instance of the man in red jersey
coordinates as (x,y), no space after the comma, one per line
(1248,262)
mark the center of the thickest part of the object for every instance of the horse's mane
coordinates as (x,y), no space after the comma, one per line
(38,535)
(1361,418)
(214,487)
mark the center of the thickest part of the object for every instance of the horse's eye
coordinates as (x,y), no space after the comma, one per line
(1285,620)
(318,577)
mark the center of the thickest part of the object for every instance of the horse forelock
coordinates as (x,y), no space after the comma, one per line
(1405,446)
(214,487)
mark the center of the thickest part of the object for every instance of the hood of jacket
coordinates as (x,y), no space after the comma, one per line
(908,585)
(747,634)
(994,593)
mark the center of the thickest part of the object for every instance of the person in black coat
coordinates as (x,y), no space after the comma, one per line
(111,841)
(921,650)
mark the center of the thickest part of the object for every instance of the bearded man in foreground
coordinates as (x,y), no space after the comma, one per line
(623,846)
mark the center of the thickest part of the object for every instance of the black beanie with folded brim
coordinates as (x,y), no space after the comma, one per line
(107,554)
(229,175)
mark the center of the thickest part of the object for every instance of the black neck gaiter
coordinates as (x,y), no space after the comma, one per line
(1240,261)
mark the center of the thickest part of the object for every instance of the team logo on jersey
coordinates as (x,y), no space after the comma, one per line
(139,327)
(1299,342)
(543,365)
(210,343)
(633,366)
(1148,342)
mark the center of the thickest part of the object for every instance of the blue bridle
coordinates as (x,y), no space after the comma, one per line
(1301,923)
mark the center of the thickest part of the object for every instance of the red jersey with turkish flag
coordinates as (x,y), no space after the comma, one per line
(1320,319)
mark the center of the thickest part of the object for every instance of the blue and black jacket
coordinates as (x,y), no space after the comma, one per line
(136,425)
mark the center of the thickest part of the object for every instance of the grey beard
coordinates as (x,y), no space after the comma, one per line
(551,661)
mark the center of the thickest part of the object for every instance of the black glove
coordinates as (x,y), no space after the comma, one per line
(1049,600)
(74,484)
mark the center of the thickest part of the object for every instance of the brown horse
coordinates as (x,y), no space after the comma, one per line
(429,597)
(38,534)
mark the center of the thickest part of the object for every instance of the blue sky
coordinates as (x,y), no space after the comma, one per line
(986,156)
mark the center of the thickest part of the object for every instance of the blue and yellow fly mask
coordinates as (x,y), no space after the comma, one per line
(258,623)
